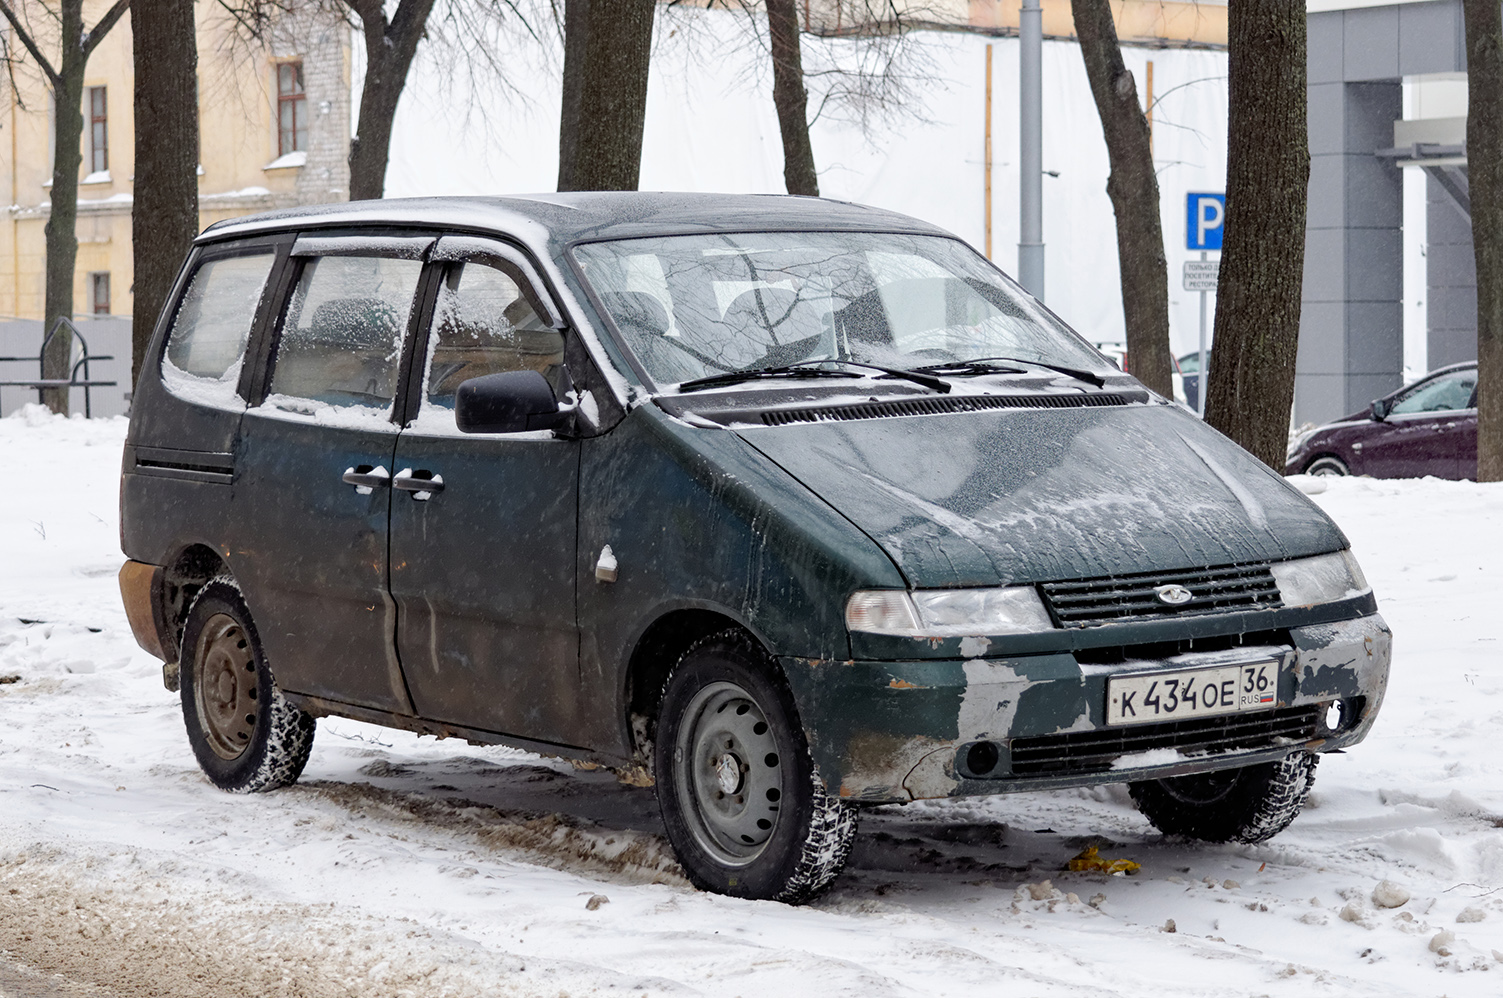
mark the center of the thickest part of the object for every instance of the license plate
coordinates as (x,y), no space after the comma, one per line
(1174,696)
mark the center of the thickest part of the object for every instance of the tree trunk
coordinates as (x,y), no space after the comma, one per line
(389,49)
(164,216)
(1134,189)
(791,100)
(612,97)
(1262,262)
(1484,150)
(62,237)
(576,30)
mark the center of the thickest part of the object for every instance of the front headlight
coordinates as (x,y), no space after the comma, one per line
(947,613)
(1322,579)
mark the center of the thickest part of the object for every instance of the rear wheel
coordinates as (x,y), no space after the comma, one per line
(246,735)
(1251,804)
(741,803)
(1327,466)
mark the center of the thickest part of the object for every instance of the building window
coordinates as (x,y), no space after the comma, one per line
(292,109)
(99,292)
(99,131)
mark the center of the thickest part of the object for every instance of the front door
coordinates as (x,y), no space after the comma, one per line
(1423,433)
(483,526)
(314,466)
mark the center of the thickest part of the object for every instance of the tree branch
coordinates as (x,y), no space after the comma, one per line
(31,46)
(371,15)
(102,28)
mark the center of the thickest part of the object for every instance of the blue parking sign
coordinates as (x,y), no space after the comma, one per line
(1205,215)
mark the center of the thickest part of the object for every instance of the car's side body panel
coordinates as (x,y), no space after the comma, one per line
(482,573)
(695,519)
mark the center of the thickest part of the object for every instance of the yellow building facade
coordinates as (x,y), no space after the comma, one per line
(274,125)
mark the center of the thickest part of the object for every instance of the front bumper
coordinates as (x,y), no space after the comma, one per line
(882,732)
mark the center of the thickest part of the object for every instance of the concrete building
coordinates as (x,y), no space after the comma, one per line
(1363,57)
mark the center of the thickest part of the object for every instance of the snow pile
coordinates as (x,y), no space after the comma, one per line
(407,866)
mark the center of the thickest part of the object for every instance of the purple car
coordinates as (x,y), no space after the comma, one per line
(1425,428)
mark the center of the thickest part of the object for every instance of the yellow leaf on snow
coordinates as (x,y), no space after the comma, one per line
(1091,861)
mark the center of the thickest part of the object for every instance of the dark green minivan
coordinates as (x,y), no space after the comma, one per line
(788,506)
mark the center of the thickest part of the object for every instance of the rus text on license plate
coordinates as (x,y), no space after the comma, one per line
(1174,696)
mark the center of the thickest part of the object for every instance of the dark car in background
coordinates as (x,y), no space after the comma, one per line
(1428,427)
(1188,367)
(792,507)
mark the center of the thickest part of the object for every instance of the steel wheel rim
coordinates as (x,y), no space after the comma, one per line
(728,774)
(224,685)
(1203,788)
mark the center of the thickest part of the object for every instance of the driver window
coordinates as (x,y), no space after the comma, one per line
(486,322)
(1453,391)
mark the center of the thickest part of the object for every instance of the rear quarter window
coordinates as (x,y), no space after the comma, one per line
(206,346)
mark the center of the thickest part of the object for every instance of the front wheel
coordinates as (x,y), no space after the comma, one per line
(246,735)
(743,808)
(1251,804)
(1327,467)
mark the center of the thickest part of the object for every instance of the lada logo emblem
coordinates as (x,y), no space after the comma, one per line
(1173,595)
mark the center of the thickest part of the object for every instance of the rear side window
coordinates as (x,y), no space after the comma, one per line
(206,347)
(341,341)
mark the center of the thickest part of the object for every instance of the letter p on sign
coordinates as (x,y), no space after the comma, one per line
(1204,215)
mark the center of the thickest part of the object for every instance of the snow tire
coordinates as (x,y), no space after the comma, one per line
(1251,804)
(247,737)
(725,690)
(1331,467)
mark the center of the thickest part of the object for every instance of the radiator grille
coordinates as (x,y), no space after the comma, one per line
(936,405)
(1082,602)
(1095,751)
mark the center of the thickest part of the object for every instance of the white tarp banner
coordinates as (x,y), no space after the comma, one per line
(711,126)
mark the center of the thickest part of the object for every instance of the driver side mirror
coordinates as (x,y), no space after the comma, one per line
(509,402)
(1380,409)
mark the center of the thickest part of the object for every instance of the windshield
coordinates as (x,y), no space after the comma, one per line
(696,306)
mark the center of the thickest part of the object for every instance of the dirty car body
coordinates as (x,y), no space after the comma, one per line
(975,556)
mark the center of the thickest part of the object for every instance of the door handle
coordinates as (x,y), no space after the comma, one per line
(366,478)
(423,484)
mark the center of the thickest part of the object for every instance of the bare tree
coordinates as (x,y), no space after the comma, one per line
(790,98)
(1484,149)
(65,80)
(164,215)
(1262,260)
(576,28)
(605,93)
(1134,189)
(857,61)
(389,48)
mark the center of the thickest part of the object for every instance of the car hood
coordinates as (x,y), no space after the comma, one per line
(1018,495)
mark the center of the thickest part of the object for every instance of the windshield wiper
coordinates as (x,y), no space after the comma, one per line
(811,369)
(991,365)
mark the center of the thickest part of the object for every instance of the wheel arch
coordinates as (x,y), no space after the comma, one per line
(655,652)
(184,573)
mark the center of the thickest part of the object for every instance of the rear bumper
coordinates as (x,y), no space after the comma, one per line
(141,592)
(881,732)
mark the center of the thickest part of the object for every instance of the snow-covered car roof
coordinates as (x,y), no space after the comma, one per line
(589,215)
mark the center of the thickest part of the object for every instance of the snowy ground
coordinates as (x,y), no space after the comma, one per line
(407,866)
